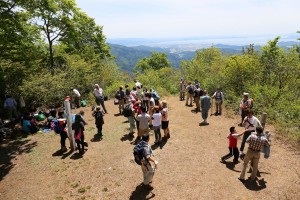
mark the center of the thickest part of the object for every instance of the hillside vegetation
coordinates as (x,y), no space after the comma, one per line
(47,47)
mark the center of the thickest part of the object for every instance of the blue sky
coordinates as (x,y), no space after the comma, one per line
(193,18)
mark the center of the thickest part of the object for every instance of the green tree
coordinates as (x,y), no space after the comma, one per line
(156,61)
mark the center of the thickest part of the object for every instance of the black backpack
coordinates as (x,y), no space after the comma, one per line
(99,117)
(190,89)
(127,111)
(138,153)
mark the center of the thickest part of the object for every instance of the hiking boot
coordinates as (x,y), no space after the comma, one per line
(186,104)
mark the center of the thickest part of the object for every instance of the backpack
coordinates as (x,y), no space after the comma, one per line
(127,111)
(56,127)
(138,153)
(99,117)
(155,96)
(190,89)
(83,103)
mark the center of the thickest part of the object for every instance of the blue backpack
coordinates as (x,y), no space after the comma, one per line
(138,152)
(155,95)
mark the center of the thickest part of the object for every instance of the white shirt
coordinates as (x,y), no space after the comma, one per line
(138,86)
(251,123)
(76,93)
(156,119)
(98,92)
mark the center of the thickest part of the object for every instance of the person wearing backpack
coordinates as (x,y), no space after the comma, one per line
(99,121)
(190,93)
(128,112)
(143,156)
(245,106)
(78,127)
(197,93)
(218,95)
(121,99)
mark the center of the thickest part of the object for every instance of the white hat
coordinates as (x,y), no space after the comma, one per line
(96,85)
(246,94)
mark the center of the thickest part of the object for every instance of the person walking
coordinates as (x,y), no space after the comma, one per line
(99,98)
(99,121)
(250,123)
(256,142)
(205,105)
(233,150)
(147,168)
(218,95)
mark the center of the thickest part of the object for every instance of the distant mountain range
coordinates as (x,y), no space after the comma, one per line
(129,51)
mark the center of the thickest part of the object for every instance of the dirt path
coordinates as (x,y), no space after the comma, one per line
(189,167)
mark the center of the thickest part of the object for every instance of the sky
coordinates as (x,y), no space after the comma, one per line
(193,18)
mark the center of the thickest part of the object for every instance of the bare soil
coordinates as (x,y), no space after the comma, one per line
(32,167)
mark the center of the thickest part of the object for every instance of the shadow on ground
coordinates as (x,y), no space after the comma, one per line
(142,193)
(9,150)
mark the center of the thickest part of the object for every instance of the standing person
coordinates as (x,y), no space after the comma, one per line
(143,120)
(127,94)
(245,106)
(10,105)
(218,95)
(189,96)
(250,123)
(157,117)
(145,98)
(197,94)
(99,98)
(78,127)
(62,123)
(138,86)
(256,142)
(205,104)
(76,97)
(147,168)
(165,119)
(233,150)
(99,121)
(182,89)
(121,99)
(131,117)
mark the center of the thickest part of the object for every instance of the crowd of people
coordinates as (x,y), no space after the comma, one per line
(145,111)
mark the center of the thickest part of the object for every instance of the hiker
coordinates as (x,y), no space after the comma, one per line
(155,96)
(205,105)
(145,99)
(127,94)
(157,117)
(99,121)
(121,99)
(245,106)
(256,142)
(78,127)
(165,119)
(182,89)
(190,92)
(147,168)
(76,97)
(233,150)
(10,105)
(99,98)
(143,120)
(250,123)
(138,86)
(134,94)
(197,94)
(62,130)
(218,95)
(130,116)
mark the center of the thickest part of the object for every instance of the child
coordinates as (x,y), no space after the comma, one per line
(233,150)
(99,121)
(78,127)
(165,119)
